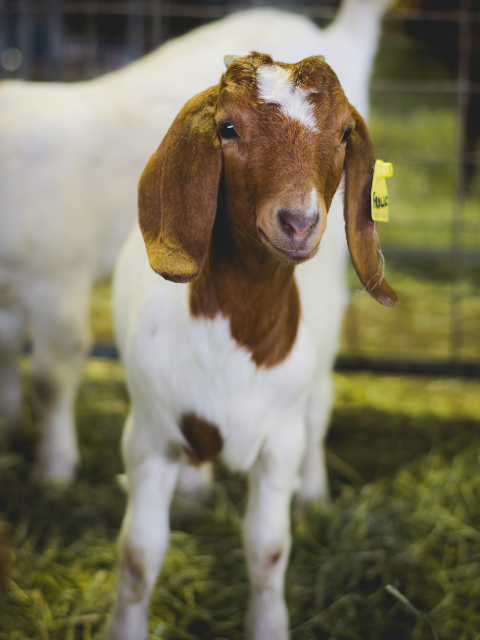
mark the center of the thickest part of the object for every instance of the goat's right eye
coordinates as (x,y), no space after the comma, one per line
(228,131)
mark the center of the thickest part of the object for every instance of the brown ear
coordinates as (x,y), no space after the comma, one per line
(359,226)
(177,193)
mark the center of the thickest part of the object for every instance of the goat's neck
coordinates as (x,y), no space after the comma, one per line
(257,293)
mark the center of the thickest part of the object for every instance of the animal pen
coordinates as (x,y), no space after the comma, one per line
(422,120)
(402,451)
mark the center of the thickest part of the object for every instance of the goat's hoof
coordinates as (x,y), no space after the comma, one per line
(304,498)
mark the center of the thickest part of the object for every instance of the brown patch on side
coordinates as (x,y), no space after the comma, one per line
(203,437)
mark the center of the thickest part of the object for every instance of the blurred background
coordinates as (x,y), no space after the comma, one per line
(425,106)
(403,451)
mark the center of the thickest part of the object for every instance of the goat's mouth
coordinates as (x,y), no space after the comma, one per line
(295,256)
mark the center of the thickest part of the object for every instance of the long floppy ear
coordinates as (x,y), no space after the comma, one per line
(359,226)
(177,193)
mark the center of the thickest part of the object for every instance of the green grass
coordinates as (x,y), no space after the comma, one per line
(413,522)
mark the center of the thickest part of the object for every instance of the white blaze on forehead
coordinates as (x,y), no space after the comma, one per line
(275,84)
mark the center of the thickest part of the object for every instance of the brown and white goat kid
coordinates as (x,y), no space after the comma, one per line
(237,361)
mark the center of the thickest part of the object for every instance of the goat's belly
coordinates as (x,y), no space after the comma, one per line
(193,367)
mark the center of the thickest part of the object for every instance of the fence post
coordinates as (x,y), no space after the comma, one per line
(3,26)
(135,29)
(157,26)
(25,38)
(54,22)
(465,36)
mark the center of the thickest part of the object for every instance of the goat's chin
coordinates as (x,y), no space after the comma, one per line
(295,256)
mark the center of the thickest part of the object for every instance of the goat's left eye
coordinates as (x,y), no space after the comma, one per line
(346,134)
(228,131)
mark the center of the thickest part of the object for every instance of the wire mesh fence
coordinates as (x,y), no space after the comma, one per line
(425,102)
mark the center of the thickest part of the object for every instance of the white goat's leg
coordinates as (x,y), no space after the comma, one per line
(61,340)
(11,334)
(314,480)
(195,482)
(266,534)
(143,540)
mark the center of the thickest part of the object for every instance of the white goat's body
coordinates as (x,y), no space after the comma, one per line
(178,364)
(70,158)
(268,418)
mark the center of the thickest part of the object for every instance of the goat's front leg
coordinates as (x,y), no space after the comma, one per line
(60,343)
(266,533)
(143,539)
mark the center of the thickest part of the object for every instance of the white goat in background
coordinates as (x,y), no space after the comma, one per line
(70,158)
(237,361)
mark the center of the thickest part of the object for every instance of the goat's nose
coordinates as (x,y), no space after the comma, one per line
(296,226)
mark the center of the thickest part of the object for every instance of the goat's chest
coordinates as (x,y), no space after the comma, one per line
(193,366)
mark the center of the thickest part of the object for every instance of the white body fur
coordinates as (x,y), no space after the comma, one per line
(70,158)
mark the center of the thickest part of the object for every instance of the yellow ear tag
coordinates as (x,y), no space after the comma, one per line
(379,197)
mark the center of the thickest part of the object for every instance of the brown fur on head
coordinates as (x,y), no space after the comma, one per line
(279,134)
(280,173)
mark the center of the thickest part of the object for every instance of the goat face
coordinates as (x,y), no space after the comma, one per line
(277,133)
(282,128)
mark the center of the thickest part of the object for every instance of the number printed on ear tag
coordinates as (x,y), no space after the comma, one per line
(379,198)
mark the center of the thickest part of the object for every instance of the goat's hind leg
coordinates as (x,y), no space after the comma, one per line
(314,478)
(11,336)
(144,536)
(195,483)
